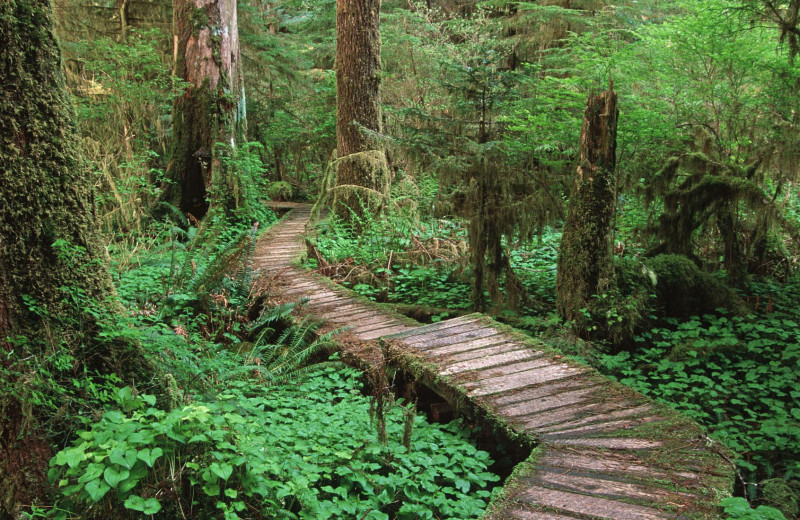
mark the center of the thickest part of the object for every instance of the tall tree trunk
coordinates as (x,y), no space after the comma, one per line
(585,257)
(48,242)
(362,176)
(209,119)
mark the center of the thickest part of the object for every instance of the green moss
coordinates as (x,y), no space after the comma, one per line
(198,19)
(777,493)
(682,289)
(279,190)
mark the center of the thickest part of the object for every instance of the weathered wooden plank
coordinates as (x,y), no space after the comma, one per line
(440,325)
(387,320)
(602,427)
(456,337)
(607,488)
(496,385)
(354,311)
(325,296)
(598,415)
(514,368)
(612,443)
(540,392)
(489,349)
(438,330)
(522,514)
(306,287)
(345,312)
(594,411)
(328,301)
(616,463)
(548,402)
(589,505)
(331,304)
(375,334)
(488,361)
(467,346)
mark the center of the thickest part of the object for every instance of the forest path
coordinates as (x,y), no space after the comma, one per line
(604,451)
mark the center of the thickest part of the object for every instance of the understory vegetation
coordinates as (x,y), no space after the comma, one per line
(245,426)
(220,402)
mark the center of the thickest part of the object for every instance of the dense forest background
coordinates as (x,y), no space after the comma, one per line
(465,191)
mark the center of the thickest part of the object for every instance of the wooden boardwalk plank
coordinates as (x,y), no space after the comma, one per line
(548,402)
(616,463)
(590,505)
(533,394)
(607,488)
(612,443)
(596,415)
(485,351)
(488,362)
(496,385)
(522,514)
(561,418)
(462,335)
(375,334)
(468,348)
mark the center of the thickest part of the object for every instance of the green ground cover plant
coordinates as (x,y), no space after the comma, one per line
(737,375)
(254,423)
(307,450)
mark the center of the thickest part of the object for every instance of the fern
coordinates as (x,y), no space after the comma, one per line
(290,357)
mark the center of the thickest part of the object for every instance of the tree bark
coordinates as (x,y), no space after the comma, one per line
(585,257)
(362,175)
(209,119)
(48,241)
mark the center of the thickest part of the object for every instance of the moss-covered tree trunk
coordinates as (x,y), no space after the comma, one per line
(585,257)
(49,245)
(208,120)
(362,175)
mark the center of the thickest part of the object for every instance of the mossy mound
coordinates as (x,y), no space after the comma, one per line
(777,493)
(280,191)
(682,289)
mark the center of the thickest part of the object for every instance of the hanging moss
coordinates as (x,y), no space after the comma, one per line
(702,193)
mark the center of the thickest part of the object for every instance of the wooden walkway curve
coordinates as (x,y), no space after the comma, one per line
(603,451)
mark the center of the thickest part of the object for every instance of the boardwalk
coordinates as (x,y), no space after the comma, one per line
(603,450)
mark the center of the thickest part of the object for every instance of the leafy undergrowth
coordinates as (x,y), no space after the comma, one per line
(739,377)
(397,260)
(303,451)
(243,426)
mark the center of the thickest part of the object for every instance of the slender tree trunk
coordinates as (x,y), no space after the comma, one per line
(362,176)
(209,119)
(585,257)
(48,242)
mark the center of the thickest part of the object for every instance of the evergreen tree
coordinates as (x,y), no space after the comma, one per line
(51,259)
(362,173)
(209,119)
